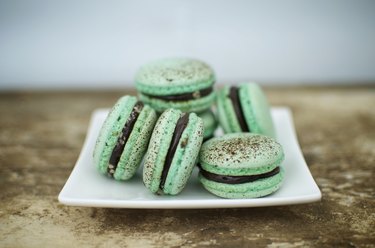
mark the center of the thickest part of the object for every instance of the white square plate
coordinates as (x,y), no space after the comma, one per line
(87,187)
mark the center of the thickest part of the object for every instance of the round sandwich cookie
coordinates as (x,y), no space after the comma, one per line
(241,165)
(172,152)
(244,108)
(210,124)
(180,83)
(124,137)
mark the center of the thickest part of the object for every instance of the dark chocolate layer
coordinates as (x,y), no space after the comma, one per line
(207,138)
(233,95)
(179,129)
(237,179)
(123,138)
(185,96)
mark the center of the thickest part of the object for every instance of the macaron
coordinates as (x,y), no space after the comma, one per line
(241,165)
(124,137)
(244,108)
(180,83)
(210,124)
(172,152)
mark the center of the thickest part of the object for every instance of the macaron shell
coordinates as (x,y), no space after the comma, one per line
(256,109)
(174,76)
(158,148)
(136,144)
(258,188)
(185,156)
(209,123)
(226,114)
(196,105)
(110,130)
(104,131)
(240,154)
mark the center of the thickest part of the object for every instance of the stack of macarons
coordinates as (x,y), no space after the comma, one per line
(171,119)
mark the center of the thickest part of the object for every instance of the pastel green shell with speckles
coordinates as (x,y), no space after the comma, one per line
(136,144)
(242,154)
(184,158)
(210,123)
(254,106)
(173,76)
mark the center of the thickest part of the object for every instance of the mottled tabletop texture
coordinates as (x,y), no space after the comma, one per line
(41,134)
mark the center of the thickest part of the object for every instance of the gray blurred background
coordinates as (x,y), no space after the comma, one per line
(100,44)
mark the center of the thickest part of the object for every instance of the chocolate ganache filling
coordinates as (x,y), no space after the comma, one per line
(185,96)
(237,179)
(179,129)
(123,138)
(233,95)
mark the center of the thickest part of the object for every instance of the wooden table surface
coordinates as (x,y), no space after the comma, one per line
(41,134)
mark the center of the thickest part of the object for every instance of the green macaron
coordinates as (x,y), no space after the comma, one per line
(241,165)
(180,83)
(210,124)
(123,138)
(244,108)
(172,152)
